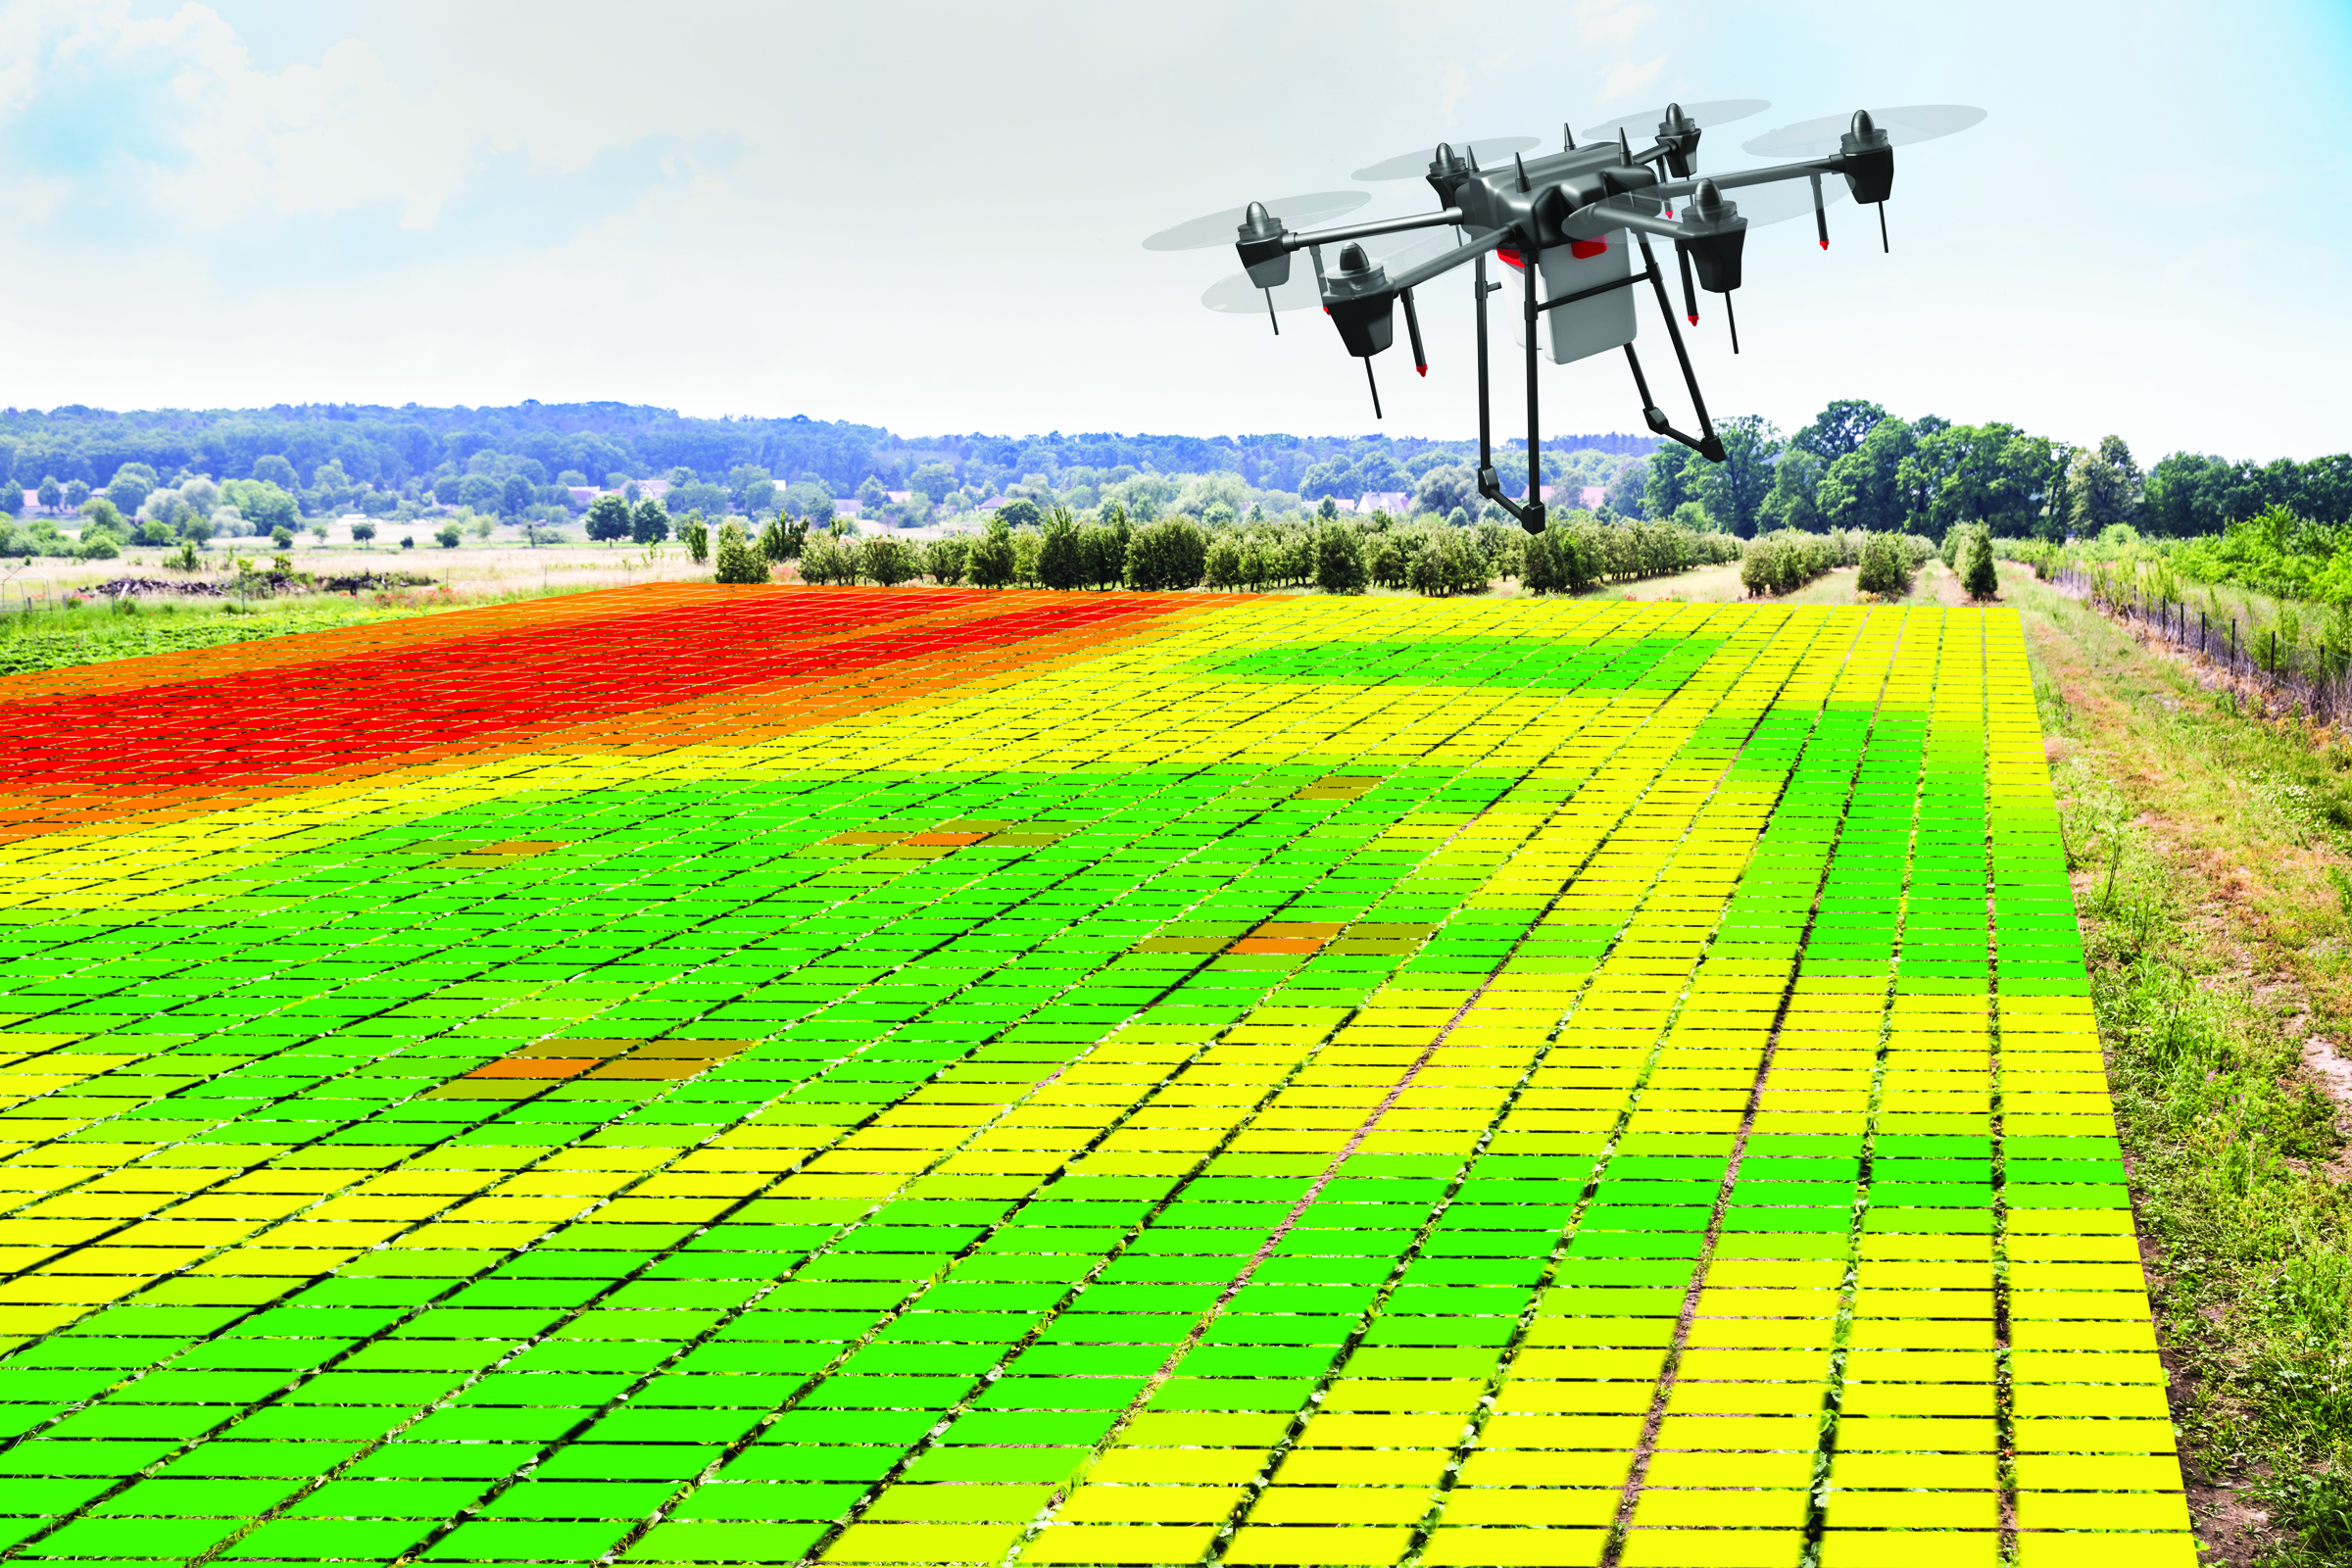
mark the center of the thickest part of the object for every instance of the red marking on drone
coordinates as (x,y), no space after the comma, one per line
(1511,258)
(1583,250)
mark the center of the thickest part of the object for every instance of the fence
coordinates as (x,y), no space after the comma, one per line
(2310,675)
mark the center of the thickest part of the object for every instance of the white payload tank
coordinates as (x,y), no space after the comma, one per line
(1589,326)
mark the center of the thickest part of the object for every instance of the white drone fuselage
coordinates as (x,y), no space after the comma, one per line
(1589,326)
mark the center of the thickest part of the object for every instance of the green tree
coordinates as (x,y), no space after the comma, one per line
(2106,485)
(282,538)
(648,524)
(1791,503)
(76,493)
(50,493)
(1061,554)
(696,535)
(1448,487)
(131,485)
(1979,575)
(871,497)
(101,513)
(1021,513)
(608,518)
(1624,496)
(1167,555)
(947,559)
(932,481)
(1340,566)
(272,468)
(362,532)
(993,558)
(738,561)
(1672,479)
(1837,430)
(888,560)
(513,495)
(449,536)
(1734,489)
(1862,488)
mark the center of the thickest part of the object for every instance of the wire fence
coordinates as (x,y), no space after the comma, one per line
(2307,676)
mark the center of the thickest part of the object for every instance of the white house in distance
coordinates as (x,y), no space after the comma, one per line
(1394,502)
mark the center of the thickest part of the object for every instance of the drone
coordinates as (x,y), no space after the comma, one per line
(1574,217)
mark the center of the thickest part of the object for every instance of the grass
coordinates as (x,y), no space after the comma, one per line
(2210,849)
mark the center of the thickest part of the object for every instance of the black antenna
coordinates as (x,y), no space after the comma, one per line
(1821,213)
(1270,316)
(1375,386)
(1682,253)
(1728,315)
(1624,146)
(1521,165)
(1567,135)
(1412,324)
(1882,245)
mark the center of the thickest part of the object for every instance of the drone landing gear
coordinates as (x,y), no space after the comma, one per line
(1709,444)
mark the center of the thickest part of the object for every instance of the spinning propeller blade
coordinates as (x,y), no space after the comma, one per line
(1818,138)
(1643,124)
(1218,228)
(1490,150)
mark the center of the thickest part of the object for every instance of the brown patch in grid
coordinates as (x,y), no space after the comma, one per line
(547,1062)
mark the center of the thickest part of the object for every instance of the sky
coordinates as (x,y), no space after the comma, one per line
(929,216)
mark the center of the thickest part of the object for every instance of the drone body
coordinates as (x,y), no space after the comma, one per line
(1570,222)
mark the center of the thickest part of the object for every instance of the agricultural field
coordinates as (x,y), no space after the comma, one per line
(687,1074)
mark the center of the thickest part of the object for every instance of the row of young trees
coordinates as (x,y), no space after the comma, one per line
(1341,555)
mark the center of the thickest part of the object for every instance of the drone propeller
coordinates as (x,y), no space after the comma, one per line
(1644,123)
(1416,165)
(1818,138)
(1238,296)
(1219,229)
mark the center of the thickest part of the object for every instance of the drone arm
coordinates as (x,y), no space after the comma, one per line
(1493,239)
(1394,226)
(1834,164)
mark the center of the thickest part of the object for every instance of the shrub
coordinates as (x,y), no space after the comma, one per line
(281,536)
(695,534)
(97,545)
(449,536)
(1979,577)
(154,531)
(362,532)
(1885,565)
(738,561)
(408,541)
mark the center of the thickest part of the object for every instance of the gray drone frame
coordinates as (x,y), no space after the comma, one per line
(1574,194)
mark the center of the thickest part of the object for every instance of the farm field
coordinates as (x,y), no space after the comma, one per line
(679,1074)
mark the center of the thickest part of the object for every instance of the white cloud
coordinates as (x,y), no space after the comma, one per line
(1453,84)
(1625,79)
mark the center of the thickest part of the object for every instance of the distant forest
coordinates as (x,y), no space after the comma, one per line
(404,450)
